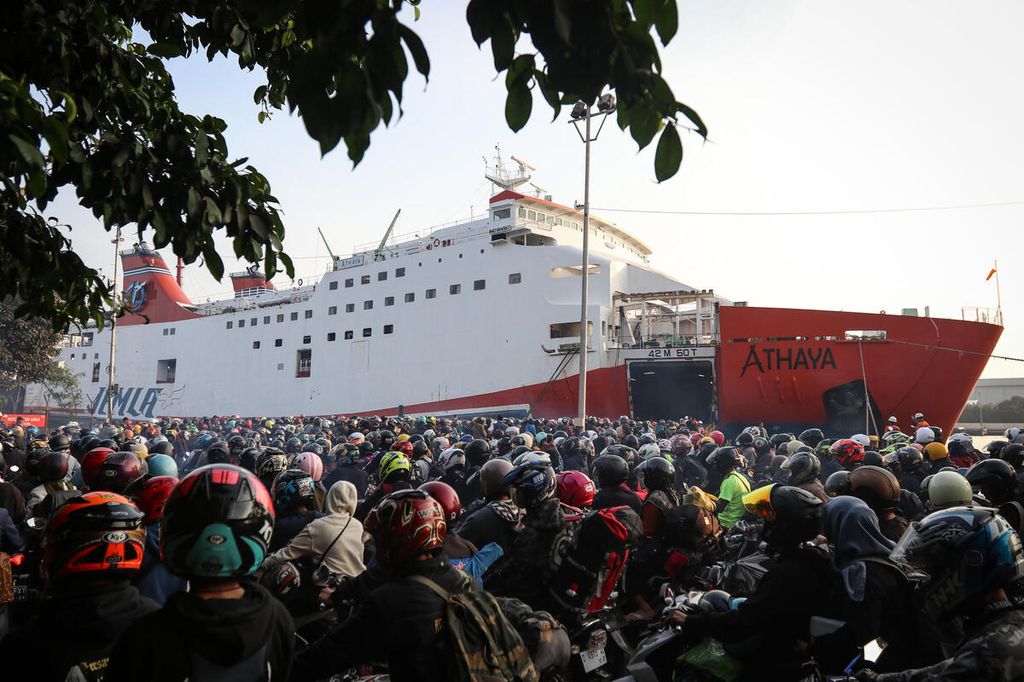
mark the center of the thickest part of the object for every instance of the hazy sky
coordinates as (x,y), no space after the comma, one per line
(811,106)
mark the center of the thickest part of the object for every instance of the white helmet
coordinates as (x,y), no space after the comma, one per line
(861,438)
(924,435)
(451,458)
(356,437)
(649,450)
(532,458)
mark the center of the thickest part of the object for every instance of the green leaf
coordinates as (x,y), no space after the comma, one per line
(56,133)
(37,184)
(70,108)
(503,45)
(213,262)
(166,50)
(689,113)
(33,157)
(259,94)
(518,105)
(667,21)
(416,49)
(668,155)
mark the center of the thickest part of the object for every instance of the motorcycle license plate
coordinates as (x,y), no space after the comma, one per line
(20,593)
(593,659)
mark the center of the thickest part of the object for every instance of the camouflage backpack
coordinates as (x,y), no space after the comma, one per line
(484,647)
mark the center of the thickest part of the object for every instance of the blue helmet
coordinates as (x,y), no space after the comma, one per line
(965,552)
(162,465)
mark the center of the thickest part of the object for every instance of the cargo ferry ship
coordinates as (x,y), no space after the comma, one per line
(482,316)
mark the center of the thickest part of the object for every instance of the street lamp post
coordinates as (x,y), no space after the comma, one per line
(582,112)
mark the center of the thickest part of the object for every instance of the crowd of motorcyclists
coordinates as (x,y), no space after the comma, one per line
(230,548)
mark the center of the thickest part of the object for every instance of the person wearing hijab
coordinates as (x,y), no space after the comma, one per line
(875,593)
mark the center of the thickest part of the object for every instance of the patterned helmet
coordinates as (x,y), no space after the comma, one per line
(964,552)
(394,466)
(151,494)
(847,452)
(531,484)
(292,488)
(217,523)
(99,533)
(404,525)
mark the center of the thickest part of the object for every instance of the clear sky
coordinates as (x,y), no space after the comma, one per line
(811,106)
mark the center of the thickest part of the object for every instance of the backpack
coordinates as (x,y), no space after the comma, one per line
(596,558)
(483,645)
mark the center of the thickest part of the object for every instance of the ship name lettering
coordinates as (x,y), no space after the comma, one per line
(766,359)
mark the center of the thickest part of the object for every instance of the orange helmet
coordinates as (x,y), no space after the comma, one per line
(97,533)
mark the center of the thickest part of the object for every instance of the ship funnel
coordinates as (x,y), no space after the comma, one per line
(252,282)
(151,293)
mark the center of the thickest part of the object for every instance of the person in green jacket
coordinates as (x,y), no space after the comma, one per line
(734,485)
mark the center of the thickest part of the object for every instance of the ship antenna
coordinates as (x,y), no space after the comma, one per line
(504,177)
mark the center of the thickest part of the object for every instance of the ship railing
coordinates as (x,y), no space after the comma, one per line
(980,314)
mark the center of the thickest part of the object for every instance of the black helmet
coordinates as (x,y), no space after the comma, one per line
(792,515)
(631,441)
(218,453)
(236,442)
(478,451)
(247,458)
(811,437)
(314,447)
(293,445)
(420,449)
(53,467)
(365,449)
(60,442)
(802,467)
(164,447)
(878,487)
(628,454)
(576,449)
(610,471)
(645,439)
(745,440)
(778,439)
(911,459)
(659,474)
(995,447)
(387,439)
(838,484)
(504,446)
(217,522)
(996,479)
(1014,454)
(761,446)
(872,458)
(725,458)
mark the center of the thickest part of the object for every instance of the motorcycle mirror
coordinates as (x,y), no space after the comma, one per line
(666,593)
(821,626)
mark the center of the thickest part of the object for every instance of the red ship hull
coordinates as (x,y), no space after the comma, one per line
(790,369)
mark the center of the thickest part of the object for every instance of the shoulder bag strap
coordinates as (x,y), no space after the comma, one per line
(336,538)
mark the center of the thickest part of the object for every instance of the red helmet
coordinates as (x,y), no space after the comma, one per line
(445,496)
(848,452)
(718,437)
(151,494)
(119,470)
(91,464)
(311,463)
(575,489)
(405,447)
(97,533)
(404,525)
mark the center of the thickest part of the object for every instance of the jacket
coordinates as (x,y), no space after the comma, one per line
(525,570)
(163,645)
(10,539)
(496,521)
(346,555)
(288,526)
(13,501)
(992,650)
(72,631)
(351,473)
(400,622)
(616,497)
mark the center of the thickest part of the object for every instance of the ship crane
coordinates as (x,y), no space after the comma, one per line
(378,255)
(504,177)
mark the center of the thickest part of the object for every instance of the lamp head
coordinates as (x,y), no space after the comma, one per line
(580,110)
(606,104)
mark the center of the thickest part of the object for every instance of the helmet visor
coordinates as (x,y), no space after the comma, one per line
(759,503)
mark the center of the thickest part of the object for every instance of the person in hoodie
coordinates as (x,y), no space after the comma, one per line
(89,600)
(876,593)
(215,531)
(334,541)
